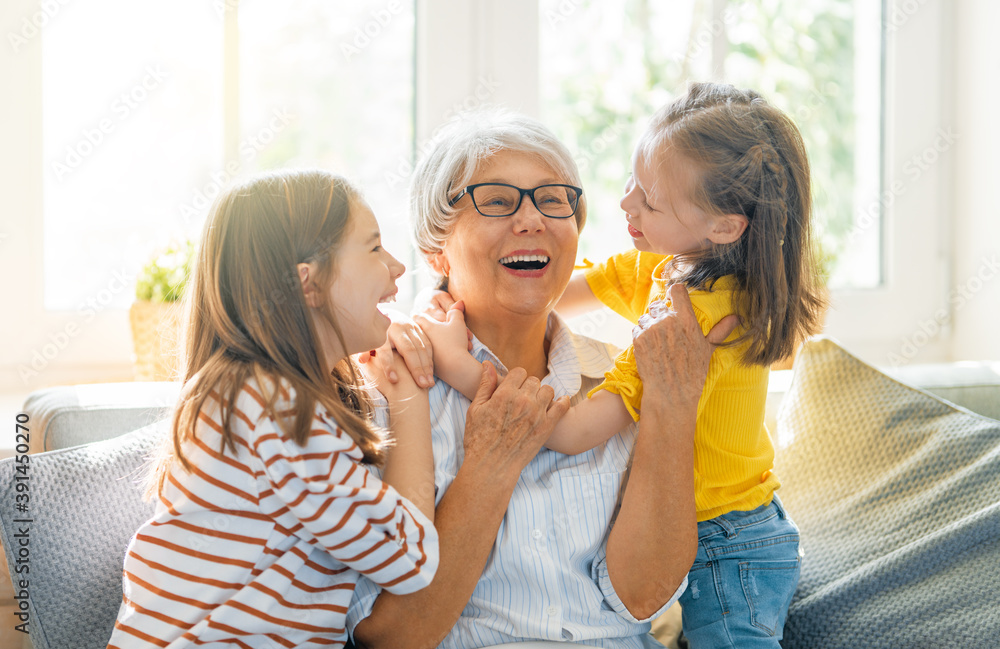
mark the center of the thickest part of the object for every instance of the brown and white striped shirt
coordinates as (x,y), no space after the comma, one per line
(264,549)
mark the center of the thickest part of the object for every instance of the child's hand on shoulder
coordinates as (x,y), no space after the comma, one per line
(411,345)
(377,364)
(432,302)
(434,305)
(450,338)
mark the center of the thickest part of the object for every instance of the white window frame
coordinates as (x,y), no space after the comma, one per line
(469,53)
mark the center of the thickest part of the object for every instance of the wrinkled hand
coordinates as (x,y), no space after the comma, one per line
(672,354)
(415,354)
(508,423)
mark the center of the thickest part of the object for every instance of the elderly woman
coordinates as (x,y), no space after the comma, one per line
(535,544)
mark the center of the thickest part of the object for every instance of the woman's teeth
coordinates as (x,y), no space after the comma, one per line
(525,262)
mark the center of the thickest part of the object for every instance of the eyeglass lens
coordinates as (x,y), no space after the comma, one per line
(557,201)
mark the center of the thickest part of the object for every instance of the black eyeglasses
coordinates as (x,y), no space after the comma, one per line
(499,199)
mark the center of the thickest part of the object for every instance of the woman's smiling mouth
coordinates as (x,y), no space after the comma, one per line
(526,263)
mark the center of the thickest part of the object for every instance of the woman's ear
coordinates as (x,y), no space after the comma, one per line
(728,228)
(310,291)
(439,262)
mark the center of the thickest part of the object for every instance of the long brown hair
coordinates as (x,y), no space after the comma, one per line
(751,161)
(246,316)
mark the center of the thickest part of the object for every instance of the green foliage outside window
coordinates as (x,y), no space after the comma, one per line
(631,57)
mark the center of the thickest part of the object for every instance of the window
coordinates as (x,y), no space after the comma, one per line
(128,140)
(69,63)
(608,66)
(137,146)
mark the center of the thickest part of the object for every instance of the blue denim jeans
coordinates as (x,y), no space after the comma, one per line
(742,580)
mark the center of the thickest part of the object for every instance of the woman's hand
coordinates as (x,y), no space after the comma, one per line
(509,420)
(414,350)
(671,352)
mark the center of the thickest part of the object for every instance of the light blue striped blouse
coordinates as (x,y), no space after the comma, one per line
(546,577)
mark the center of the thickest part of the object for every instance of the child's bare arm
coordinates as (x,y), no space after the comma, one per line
(589,424)
(578,298)
(409,466)
(453,363)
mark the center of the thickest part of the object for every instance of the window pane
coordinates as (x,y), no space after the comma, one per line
(341,78)
(132,123)
(607,66)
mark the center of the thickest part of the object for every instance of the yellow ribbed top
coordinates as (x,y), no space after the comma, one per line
(733,453)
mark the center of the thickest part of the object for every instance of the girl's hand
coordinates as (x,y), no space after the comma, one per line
(397,392)
(450,338)
(414,349)
(435,304)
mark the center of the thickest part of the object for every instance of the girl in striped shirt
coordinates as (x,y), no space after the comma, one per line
(267,516)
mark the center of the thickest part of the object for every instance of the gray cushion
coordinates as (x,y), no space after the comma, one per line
(897,494)
(67,416)
(85,504)
(972,385)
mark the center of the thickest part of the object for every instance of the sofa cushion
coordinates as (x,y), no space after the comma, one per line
(66,416)
(85,505)
(897,495)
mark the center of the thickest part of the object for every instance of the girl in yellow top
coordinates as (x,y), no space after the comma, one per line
(718,202)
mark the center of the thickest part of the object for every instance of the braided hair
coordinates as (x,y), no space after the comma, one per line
(751,162)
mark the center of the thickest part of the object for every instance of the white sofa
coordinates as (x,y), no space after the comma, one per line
(86,500)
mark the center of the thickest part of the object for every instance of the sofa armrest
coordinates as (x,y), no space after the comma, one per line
(68,416)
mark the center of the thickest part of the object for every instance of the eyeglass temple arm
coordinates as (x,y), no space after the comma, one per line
(459,197)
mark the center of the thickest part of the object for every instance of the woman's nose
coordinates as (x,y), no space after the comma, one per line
(527,218)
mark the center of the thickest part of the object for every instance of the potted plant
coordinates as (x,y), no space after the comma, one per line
(155,315)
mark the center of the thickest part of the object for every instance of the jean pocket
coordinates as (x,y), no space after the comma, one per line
(768,587)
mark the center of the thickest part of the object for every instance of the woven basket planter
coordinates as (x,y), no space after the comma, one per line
(156,333)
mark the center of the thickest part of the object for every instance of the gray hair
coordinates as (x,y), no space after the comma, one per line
(457,150)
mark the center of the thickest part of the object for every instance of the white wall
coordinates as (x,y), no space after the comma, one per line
(976,213)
